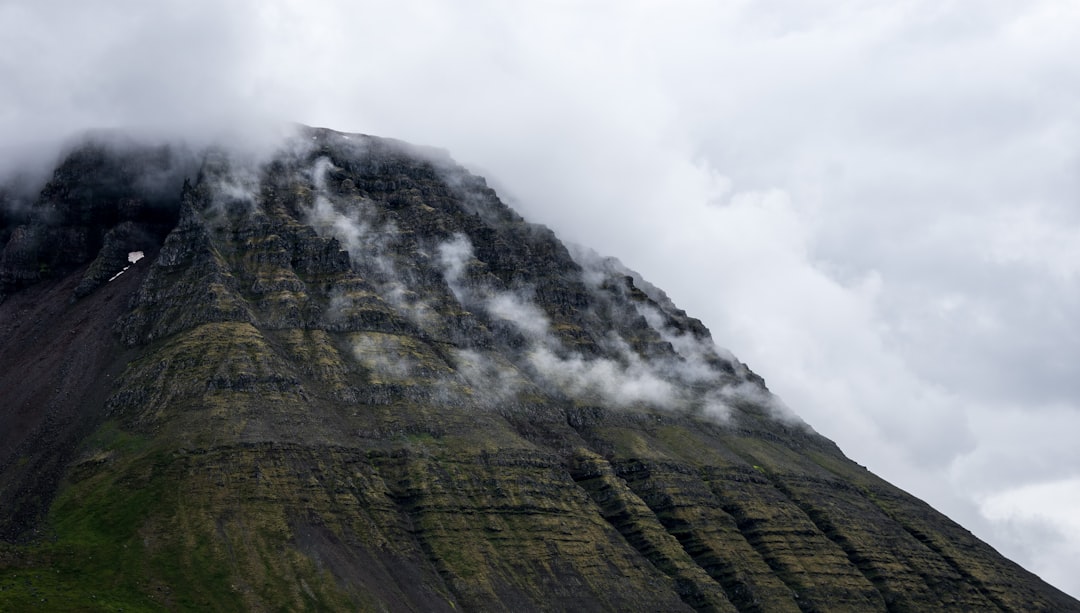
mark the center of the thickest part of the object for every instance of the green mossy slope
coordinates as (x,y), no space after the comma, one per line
(355,380)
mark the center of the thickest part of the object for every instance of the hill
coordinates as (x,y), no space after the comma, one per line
(344,375)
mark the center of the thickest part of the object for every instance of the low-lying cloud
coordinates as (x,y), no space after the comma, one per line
(621,378)
(869,203)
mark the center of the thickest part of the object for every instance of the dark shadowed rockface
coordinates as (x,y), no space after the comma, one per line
(346,376)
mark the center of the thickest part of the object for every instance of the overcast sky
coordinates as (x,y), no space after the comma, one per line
(875,204)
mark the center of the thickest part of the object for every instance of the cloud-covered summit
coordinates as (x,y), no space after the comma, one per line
(872,204)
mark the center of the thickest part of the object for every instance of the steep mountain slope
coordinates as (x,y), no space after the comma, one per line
(345,375)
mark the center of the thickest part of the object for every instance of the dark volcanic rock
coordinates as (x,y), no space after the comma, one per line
(346,376)
(109,196)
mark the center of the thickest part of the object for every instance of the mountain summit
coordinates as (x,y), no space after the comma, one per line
(343,375)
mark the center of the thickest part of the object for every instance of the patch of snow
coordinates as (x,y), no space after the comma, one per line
(133,256)
(118,274)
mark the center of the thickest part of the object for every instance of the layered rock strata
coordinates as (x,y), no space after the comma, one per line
(346,376)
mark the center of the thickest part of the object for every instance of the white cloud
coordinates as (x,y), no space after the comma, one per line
(454,256)
(872,204)
(624,385)
(526,316)
(1050,510)
(623,378)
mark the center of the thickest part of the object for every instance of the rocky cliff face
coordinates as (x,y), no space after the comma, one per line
(346,376)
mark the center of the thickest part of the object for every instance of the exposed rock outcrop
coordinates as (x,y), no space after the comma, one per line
(346,376)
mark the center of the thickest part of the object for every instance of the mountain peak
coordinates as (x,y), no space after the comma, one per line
(346,375)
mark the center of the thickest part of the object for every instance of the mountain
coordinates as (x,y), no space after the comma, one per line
(341,374)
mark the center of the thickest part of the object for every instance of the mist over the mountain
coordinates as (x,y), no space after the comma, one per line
(872,204)
(340,373)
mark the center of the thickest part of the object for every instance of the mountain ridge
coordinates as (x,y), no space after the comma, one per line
(346,375)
